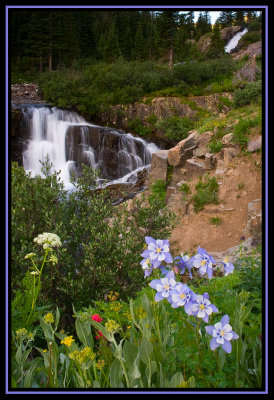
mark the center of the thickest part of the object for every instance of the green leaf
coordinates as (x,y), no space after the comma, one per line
(29,374)
(146,348)
(57,318)
(84,333)
(177,379)
(103,330)
(47,330)
(134,372)
(130,352)
(116,374)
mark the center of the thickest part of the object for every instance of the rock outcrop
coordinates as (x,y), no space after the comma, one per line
(190,159)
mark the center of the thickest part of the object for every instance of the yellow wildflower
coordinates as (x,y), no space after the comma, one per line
(67,341)
(116,307)
(100,364)
(112,326)
(49,318)
(82,356)
(21,332)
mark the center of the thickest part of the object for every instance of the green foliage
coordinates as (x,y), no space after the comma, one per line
(176,128)
(250,93)
(206,192)
(250,37)
(215,220)
(215,146)
(158,190)
(148,344)
(243,128)
(99,237)
(138,127)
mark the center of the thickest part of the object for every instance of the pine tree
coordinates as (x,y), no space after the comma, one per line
(168,20)
(216,47)
(190,26)
(111,49)
(239,17)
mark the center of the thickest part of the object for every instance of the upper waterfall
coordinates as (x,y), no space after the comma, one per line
(234,41)
(68,141)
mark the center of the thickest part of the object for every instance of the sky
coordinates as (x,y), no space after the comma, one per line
(213,14)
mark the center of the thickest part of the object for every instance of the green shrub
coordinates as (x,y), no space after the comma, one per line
(90,260)
(243,127)
(250,93)
(206,192)
(159,190)
(176,128)
(250,37)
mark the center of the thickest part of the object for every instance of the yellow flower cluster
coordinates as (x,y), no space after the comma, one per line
(49,318)
(82,356)
(100,364)
(24,334)
(116,306)
(127,315)
(67,341)
(112,326)
(140,313)
(113,296)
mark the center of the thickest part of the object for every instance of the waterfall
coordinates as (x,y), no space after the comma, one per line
(234,41)
(68,141)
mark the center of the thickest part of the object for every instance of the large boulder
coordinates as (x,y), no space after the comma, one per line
(158,168)
(178,155)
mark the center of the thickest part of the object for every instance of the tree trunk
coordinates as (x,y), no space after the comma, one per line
(170,63)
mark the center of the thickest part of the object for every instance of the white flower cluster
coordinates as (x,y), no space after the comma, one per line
(48,240)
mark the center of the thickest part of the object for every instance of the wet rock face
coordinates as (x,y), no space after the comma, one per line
(228,33)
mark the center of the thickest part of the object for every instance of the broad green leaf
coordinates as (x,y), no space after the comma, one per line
(177,379)
(145,349)
(116,374)
(130,352)
(29,374)
(57,318)
(102,329)
(84,333)
(47,330)
(134,372)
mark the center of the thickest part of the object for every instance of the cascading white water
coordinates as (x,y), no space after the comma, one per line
(68,140)
(234,41)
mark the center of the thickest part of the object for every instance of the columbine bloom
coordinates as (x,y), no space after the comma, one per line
(203,261)
(222,334)
(146,265)
(202,307)
(157,251)
(228,267)
(182,296)
(182,263)
(164,287)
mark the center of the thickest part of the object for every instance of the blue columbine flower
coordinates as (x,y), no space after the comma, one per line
(228,267)
(157,251)
(222,334)
(204,262)
(202,307)
(146,265)
(182,296)
(164,287)
(182,263)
